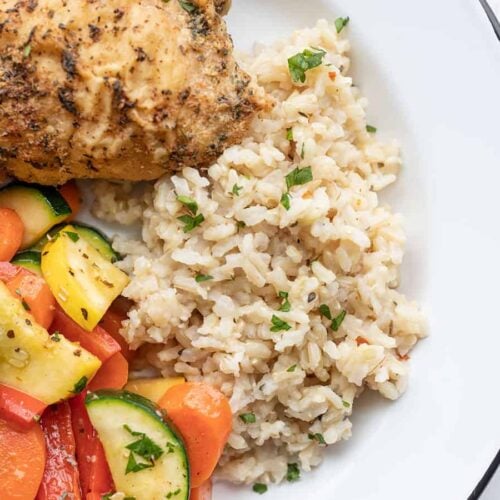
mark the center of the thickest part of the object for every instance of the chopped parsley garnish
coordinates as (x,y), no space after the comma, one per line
(285,201)
(236,190)
(317,437)
(303,151)
(248,418)
(200,278)
(291,368)
(191,222)
(371,129)
(341,23)
(259,488)
(346,403)
(189,203)
(27,50)
(188,6)
(144,448)
(80,385)
(325,311)
(279,325)
(304,61)
(55,337)
(240,224)
(72,236)
(25,305)
(285,305)
(337,321)
(289,134)
(293,472)
(173,493)
(298,177)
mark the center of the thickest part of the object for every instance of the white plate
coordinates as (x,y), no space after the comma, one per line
(431,70)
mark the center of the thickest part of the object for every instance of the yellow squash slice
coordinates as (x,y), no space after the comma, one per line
(49,368)
(83,282)
(152,388)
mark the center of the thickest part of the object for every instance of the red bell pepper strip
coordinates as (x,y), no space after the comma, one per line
(60,478)
(98,341)
(112,323)
(113,374)
(18,408)
(95,476)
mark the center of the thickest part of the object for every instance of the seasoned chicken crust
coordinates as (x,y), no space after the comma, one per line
(117,90)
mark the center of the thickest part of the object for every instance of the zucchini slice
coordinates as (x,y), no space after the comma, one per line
(90,234)
(39,207)
(83,282)
(28,259)
(147,459)
(49,368)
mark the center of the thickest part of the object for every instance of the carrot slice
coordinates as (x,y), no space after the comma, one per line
(203,416)
(11,233)
(22,461)
(18,408)
(204,492)
(97,341)
(71,194)
(95,476)
(112,323)
(60,478)
(35,294)
(113,374)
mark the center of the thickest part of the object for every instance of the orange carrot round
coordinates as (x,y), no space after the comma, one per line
(113,374)
(35,294)
(11,233)
(204,492)
(71,194)
(203,417)
(22,461)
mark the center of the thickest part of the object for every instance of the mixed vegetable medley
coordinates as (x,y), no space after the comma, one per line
(72,424)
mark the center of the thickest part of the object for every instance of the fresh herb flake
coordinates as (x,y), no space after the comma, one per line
(279,325)
(259,488)
(236,189)
(55,337)
(303,151)
(304,61)
(26,305)
(341,23)
(200,278)
(317,437)
(27,50)
(346,403)
(291,369)
(80,385)
(173,493)
(85,313)
(189,203)
(191,222)
(298,177)
(285,201)
(324,310)
(293,472)
(188,6)
(240,224)
(371,129)
(72,236)
(145,448)
(337,321)
(289,134)
(248,418)
(285,305)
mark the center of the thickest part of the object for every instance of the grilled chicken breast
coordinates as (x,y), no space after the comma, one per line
(116,89)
